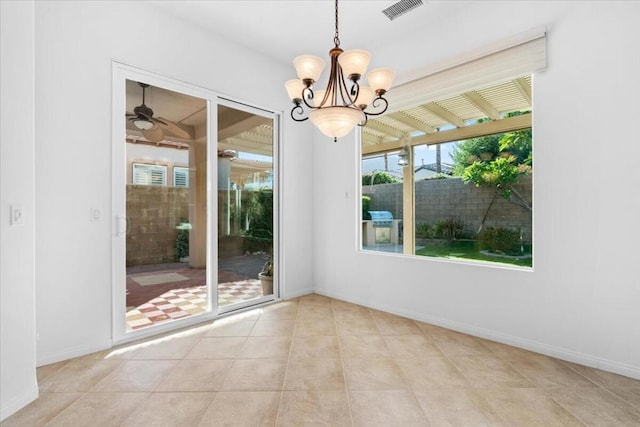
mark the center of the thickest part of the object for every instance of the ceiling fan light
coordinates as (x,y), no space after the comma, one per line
(336,122)
(308,67)
(143,124)
(381,79)
(354,62)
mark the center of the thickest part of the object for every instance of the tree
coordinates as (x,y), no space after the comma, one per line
(496,161)
(259,210)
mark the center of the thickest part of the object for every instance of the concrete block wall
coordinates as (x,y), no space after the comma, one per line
(153,212)
(440,199)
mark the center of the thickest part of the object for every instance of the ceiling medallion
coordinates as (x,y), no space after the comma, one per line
(337,109)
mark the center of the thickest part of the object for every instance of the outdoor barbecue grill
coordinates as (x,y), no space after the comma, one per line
(382,223)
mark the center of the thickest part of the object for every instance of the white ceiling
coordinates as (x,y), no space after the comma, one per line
(284,29)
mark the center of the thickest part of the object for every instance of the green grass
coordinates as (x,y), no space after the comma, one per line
(469,250)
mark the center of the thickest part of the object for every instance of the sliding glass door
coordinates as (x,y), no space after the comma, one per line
(246,205)
(195,200)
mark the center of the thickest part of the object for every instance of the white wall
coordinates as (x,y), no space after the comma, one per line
(75,44)
(17,265)
(581,301)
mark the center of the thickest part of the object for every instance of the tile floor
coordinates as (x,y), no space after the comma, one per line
(183,302)
(318,361)
(152,298)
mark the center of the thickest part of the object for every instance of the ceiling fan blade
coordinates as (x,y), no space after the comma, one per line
(155,134)
(174,128)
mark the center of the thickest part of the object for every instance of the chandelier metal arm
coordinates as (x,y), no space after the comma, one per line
(298,110)
(377,103)
(307,93)
(344,90)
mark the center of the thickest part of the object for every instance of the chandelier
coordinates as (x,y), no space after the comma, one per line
(337,109)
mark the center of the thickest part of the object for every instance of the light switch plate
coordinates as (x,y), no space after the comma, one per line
(17,215)
(96,214)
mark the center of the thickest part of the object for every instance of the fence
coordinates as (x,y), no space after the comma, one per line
(441,199)
(152,215)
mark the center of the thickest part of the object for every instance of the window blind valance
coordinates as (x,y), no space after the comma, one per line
(505,60)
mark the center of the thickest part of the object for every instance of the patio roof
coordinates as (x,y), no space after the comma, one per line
(433,121)
(421,124)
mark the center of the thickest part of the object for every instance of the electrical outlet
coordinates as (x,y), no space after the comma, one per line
(17,216)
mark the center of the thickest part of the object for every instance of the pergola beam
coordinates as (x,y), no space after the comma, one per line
(246,146)
(524,88)
(241,126)
(473,131)
(444,114)
(387,130)
(481,104)
(412,122)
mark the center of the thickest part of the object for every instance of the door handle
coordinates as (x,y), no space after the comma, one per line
(121,225)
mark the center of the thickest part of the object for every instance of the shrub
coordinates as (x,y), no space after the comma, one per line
(182,240)
(437,176)
(366,207)
(499,239)
(254,245)
(378,177)
(424,231)
(450,228)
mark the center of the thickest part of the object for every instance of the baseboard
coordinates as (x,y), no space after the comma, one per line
(18,402)
(107,344)
(74,352)
(298,293)
(538,347)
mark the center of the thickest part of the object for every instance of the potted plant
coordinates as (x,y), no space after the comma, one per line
(266,278)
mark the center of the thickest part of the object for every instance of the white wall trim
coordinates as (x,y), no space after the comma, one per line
(299,293)
(546,349)
(82,350)
(16,403)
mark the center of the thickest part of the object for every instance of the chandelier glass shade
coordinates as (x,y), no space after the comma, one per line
(335,121)
(344,103)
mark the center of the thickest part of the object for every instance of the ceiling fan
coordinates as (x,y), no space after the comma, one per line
(153,128)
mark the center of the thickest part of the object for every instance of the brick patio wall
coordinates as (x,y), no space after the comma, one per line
(153,213)
(440,199)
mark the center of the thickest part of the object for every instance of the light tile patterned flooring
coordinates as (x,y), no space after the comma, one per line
(318,361)
(171,305)
(179,303)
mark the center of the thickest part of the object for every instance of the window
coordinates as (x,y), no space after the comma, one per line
(180,176)
(447,170)
(144,174)
(465,200)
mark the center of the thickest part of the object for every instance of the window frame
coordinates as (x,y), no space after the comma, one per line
(185,169)
(150,167)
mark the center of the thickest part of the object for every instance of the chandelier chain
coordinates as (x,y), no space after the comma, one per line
(336,38)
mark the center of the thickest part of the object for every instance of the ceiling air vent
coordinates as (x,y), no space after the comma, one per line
(400,8)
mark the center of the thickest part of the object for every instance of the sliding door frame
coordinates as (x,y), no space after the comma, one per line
(120,73)
(275,117)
